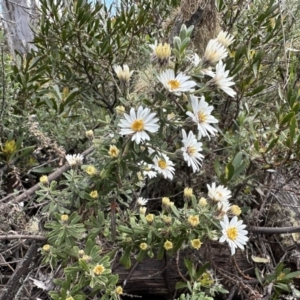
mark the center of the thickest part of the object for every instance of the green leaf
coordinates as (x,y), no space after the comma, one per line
(189,31)
(293,125)
(298,141)
(125,259)
(256,145)
(296,107)
(177,44)
(161,252)
(217,167)
(288,142)
(141,255)
(175,211)
(239,53)
(83,265)
(68,99)
(23,152)
(43,170)
(176,53)
(256,91)
(292,275)
(202,269)
(272,144)
(239,170)
(184,44)
(220,5)
(180,285)
(229,171)
(282,286)
(287,118)
(183,32)
(237,159)
(189,265)
(258,276)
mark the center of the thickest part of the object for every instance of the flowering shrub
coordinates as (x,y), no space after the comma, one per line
(170,152)
(134,151)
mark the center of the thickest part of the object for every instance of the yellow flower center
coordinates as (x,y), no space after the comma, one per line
(86,258)
(138,125)
(232,233)
(91,170)
(150,218)
(191,151)
(143,246)
(219,194)
(64,218)
(162,164)
(201,116)
(44,179)
(168,245)
(236,210)
(193,220)
(94,194)
(113,151)
(119,290)
(98,270)
(174,84)
(196,243)
(166,201)
(46,247)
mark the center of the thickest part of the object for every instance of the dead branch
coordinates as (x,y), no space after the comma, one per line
(53,176)
(274,230)
(23,237)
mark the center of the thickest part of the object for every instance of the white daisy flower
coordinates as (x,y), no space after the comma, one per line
(201,115)
(74,160)
(124,73)
(233,233)
(223,207)
(178,84)
(141,201)
(225,38)
(219,193)
(137,123)
(163,165)
(221,79)
(161,53)
(214,52)
(147,170)
(191,150)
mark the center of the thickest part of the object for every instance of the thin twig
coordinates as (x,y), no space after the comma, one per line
(287,77)
(22,236)
(177,266)
(240,271)
(130,273)
(274,230)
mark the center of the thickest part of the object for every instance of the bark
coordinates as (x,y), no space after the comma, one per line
(16,18)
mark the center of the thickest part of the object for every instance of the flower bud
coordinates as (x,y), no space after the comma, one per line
(44,179)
